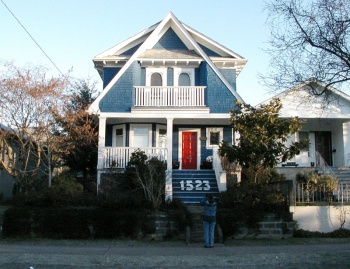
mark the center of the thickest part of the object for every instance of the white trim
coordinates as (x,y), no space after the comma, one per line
(196,130)
(131,133)
(179,70)
(163,71)
(214,129)
(115,127)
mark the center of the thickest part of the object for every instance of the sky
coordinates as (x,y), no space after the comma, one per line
(72,32)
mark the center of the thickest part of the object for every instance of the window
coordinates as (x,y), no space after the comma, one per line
(156,79)
(161,139)
(304,136)
(118,139)
(156,76)
(119,134)
(214,136)
(184,80)
(140,135)
(140,138)
(184,76)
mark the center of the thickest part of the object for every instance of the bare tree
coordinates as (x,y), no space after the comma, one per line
(309,42)
(29,98)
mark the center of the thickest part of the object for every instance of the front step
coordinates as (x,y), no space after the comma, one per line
(191,186)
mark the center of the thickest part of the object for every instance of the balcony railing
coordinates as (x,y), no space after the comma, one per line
(180,96)
(118,157)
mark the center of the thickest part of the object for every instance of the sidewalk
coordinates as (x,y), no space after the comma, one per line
(133,254)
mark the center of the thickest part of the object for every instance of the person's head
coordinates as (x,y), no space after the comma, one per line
(210,198)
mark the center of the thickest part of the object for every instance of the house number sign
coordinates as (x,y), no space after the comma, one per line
(198,185)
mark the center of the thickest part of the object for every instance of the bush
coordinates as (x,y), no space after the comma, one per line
(17,222)
(77,223)
(178,212)
(246,204)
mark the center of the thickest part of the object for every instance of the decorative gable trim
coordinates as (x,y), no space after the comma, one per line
(156,32)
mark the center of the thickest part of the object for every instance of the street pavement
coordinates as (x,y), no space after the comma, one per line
(110,254)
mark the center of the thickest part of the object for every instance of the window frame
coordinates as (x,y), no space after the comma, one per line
(210,130)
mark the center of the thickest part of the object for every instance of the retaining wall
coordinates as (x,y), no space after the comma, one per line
(321,218)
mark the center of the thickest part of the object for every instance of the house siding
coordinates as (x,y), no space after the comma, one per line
(208,51)
(170,41)
(218,97)
(121,96)
(230,75)
(132,50)
(108,74)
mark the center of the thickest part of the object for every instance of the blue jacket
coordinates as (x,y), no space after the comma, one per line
(209,210)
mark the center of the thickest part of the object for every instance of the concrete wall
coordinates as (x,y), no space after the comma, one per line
(320,218)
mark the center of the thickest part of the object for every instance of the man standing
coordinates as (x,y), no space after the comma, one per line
(209,220)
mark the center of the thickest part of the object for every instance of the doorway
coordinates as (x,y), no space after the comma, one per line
(189,150)
(323,144)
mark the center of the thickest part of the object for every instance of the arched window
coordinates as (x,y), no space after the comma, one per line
(184,80)
(156,79)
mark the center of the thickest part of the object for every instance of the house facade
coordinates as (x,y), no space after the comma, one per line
(326,123)
(167,91)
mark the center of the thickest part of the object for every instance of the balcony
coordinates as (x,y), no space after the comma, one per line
(118,157)
(180,96)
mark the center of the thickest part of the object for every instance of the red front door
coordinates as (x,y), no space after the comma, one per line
(189,150)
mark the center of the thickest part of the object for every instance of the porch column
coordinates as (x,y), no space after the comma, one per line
(169,145)
(101,146)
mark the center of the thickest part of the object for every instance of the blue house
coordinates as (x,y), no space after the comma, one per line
(167,91)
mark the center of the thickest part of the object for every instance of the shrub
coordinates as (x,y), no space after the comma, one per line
(246,204)
(179,213)
(17,222)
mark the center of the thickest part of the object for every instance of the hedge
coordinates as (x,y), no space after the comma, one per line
(76,223)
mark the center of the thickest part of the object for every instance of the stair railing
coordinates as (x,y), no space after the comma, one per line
(219,172)
(322,164)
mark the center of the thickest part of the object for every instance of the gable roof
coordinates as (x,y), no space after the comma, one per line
(144,41)
(301,102)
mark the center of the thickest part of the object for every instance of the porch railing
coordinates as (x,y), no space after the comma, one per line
(322,164)
(180,96)
(118,157)
(311,194)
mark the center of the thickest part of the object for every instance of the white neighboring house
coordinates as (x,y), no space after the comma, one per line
(326,125)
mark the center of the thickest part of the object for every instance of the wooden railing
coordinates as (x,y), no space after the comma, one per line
(180,96)
(118,157)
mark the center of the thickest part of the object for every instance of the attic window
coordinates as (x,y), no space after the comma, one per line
(156,79)
(184,80)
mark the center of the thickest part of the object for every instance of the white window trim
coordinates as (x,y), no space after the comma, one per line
(179,70)
(214,129)
(163,71)
(115,127)
(157,134)
(133,126)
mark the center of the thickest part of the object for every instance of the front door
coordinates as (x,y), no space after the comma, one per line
(323,141)
(189,150)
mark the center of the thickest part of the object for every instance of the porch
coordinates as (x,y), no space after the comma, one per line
(179,96)
(119,157)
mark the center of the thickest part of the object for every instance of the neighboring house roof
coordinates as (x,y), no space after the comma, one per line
(139,47)
(301,102)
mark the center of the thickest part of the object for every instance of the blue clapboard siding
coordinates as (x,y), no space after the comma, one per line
(197,178)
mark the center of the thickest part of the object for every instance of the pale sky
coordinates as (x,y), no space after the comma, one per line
(71,32)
